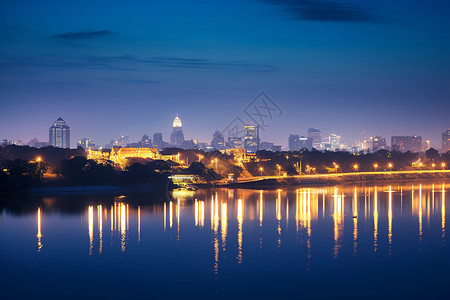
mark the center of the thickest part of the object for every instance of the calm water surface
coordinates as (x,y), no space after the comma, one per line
(377,241)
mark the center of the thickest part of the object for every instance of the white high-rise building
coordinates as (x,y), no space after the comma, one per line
(59,134)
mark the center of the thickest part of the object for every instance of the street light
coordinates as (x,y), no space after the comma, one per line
(261,169)
(433,165)
(355,166)
(443,166)
(375,167)
(420,166)
(279,170)
(336,166)
(390,166)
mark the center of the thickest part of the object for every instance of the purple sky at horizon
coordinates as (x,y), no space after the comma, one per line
(112,68)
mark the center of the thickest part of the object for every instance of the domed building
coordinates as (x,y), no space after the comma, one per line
(59,134)
(177,136)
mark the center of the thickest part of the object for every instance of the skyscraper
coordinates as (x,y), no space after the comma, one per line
(218,141)
(59,134)
(158,140)
(406,143)
(378,143)
(316,137)
(293,141)
(251,138)
(177,136)
(446,141)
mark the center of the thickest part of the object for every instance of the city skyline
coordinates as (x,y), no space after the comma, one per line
(342,68)
(59,136)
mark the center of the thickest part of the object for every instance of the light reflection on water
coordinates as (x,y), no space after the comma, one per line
(319,222)
(307,209)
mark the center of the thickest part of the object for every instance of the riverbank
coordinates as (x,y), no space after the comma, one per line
(326,179)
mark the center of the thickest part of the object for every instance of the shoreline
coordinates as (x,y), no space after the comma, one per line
(328,179)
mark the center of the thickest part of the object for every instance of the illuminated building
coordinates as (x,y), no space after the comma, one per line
(59,134)
(446,141)
(235,142)
(297,142)
(251,139)
(316,137)
(86,143)
(406,143)
(378,143)
(334,141)
(158,140)
(177,136)
(146,141)
(218,141)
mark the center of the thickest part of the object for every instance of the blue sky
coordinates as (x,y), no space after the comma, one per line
(112,68)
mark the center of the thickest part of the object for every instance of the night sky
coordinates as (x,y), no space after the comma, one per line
(112,68)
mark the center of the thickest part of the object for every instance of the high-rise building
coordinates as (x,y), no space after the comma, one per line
(146,141)
(158,140)
(334,141)
(86,143)
(446,141)
(234,142)
(316,137)
(59,134)
(378,143)
(406,143)
(251,138)
(218,141)
(177,136)
(294,143)
(297,142)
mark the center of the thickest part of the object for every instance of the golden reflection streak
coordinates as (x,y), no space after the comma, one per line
(355,222)
(215,218)
(240,215)
(390,220)
(196,212)
(443,212)
(165,214)
(139,224)
(123,228)
(375,221)
(278,205)
(178,219)
(91,228)
(261,207)
(201,218)
(297,213)
(337,216)
(100,229)
(420,213)
(170,214)
(112,219)
(224,225)
(39,234)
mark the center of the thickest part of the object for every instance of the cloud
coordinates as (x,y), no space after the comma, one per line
(324,10)
(81,35)
(133,63)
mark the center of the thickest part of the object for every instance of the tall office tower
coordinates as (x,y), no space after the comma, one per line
(446,141)
(59,134)
(146,141)
(218,141)
(86,143)
(406,143)
(251,138)
(158,140)
(378,143)
(334,141)
(177,136)
(316,137)
(294,143)
(234,142)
